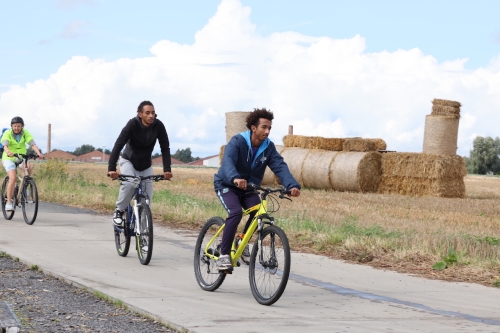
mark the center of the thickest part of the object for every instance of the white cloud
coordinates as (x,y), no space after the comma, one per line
(321,85)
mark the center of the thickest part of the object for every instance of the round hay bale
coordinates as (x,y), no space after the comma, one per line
(316,169)
(236,122)
(356,171)
(269,176)
(295,158)
(446,103)
(440,135)
(443,110)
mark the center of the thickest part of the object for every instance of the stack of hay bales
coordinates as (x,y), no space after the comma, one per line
(441,128)
(421,174)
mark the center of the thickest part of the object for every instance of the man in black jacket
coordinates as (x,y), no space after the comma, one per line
(139,136)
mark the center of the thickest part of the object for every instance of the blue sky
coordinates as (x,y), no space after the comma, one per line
(41,80)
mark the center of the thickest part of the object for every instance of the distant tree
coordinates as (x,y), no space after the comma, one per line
(155,155)
(184,155)
(83,149)
(106,151)
(31,151)
(484,156)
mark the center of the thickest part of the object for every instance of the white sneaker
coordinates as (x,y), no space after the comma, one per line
(8,206)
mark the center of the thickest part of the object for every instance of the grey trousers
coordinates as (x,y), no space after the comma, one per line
(127,189)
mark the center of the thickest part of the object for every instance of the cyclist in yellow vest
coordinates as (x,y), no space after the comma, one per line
(14,141)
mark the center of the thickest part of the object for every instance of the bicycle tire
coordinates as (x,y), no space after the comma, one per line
(268,279)
(122,236)
(29,201)
(205,269)
(7,214)
(144,240)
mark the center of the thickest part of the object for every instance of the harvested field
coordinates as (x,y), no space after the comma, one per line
(401,233)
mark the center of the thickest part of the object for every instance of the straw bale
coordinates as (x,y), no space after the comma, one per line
(299,141)
(235,123)
(221,153)
(442,187)
(443,110)
(332,144)
(423,175)
(379,144)
(316,169)
(295,158)
(356,171)
(440,135)
(288,140)
(358,144)
(419,165)
(269,176)
(312,142)
(446,103)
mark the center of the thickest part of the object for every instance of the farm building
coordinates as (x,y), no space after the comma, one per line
(158,161)
(59,154)
(93,157)
(209,161)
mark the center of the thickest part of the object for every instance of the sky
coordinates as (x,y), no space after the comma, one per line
(331,68)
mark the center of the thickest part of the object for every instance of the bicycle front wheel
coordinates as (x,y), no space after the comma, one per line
(8,214)
(205,268)
(122,236)
(29,201)
(144,239)
(270,266)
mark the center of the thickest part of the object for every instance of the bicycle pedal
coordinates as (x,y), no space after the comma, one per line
(228,271)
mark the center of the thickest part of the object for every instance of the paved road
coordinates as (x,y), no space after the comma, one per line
(323,295)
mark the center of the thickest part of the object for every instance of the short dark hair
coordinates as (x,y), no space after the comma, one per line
(253,118)
(143,104)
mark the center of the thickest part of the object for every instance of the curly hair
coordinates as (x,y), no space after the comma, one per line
(143,104)
(253,118)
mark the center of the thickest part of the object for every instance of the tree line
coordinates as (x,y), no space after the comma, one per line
(183,155)
(484,156)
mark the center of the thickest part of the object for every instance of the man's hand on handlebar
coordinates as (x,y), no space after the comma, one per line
(167,175)
(240,183)
(113,174)
(294,192)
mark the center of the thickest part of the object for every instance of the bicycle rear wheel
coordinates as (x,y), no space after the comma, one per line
(205,269)
(122,235)
(270,266)
(29,201)
(7,214)
(144,240)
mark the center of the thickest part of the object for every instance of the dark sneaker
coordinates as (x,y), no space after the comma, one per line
(245,255)
(118,217)
(224,263)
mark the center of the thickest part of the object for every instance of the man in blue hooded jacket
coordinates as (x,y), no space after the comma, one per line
(246,157)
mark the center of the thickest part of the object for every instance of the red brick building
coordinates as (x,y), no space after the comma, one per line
(93,157)
(59,154)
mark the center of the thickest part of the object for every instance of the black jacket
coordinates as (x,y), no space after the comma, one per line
(140,141)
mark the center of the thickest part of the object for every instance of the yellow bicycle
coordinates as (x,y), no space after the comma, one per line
(269,265)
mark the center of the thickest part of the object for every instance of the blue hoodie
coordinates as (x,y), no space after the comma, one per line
(238,162)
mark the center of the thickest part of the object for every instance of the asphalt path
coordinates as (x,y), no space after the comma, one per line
(322,295)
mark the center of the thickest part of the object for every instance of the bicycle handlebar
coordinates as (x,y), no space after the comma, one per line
(26,156)
(268,190)
(155,178)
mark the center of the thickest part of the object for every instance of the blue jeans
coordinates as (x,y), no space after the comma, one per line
(234,201)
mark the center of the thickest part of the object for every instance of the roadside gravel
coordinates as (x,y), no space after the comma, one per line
(44,303)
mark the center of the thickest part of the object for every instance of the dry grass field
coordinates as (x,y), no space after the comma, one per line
(402,233)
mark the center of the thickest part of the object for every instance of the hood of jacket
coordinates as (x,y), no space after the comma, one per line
(247,135)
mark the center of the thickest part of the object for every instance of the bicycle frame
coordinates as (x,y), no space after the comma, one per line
(133,208)
(256,224)
(26,176)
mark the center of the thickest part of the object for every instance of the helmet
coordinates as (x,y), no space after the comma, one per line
(17,120)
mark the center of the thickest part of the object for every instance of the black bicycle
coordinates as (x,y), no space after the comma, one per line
(137,220)
(25,192)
